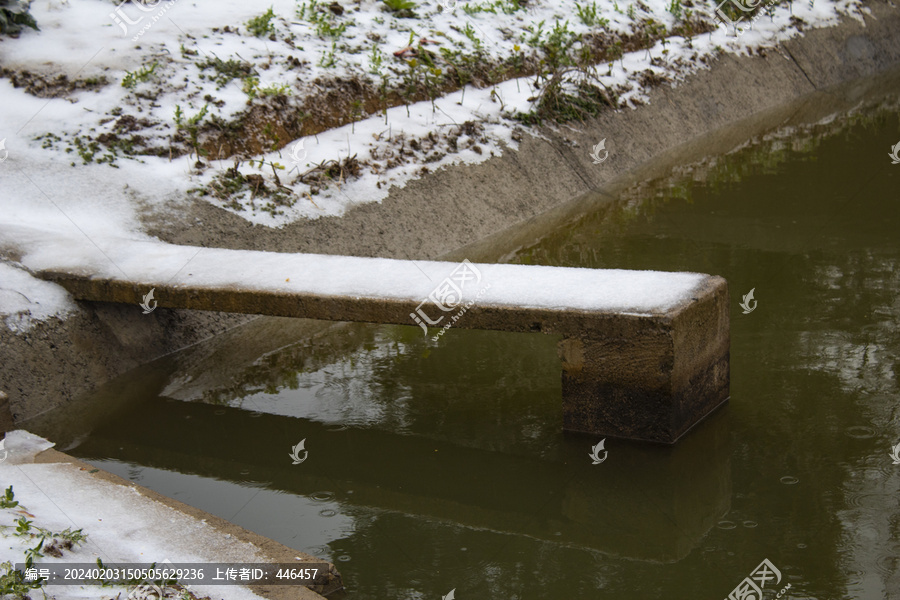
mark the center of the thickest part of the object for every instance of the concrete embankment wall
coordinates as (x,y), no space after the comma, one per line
(712,112)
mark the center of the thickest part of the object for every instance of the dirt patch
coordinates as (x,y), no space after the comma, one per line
(45,86)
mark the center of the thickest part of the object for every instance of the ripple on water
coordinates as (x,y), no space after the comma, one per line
(332,389)
(344,557)
(860,432)
(869,500)
(322,496)
(750,524)
(878,466)
(327,512)
(221,411)
(888,564)
(789,480)
(726,525)
(854,578)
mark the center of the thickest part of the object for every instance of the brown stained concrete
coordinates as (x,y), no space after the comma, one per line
(654,378)
(275,552)
(643,377)
(6,417)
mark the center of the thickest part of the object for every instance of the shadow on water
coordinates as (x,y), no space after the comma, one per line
(441,466)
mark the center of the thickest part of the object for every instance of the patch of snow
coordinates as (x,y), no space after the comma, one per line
(25,299)
(152,264)
(123,526)
(22,446)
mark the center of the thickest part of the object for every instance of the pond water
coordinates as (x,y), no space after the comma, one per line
(440,466)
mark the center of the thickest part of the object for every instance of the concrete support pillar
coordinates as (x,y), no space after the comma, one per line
(649,378)
(6,418)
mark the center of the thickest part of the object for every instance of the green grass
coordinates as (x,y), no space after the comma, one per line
(12,582)
(227,70)
(506,7)
(262,25)
(14,16)
(322,19)
(401,8)
(132,78)
(253,90)
(589,16)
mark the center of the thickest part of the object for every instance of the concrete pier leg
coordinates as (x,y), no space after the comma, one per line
(652,378)
(6,418)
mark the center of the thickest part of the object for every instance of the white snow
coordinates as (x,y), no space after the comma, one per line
(46,193)
(20,447)
(123,526)
(151,264)
(25,299)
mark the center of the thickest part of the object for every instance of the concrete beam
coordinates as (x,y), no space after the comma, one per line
(645,355)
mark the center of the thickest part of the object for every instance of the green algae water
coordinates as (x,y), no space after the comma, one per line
(439,467)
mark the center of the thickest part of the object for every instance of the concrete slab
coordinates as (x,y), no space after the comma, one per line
(644,353)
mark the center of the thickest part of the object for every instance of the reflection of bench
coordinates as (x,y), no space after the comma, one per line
(644,354)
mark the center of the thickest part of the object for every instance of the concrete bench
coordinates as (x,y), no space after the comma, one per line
(645,355)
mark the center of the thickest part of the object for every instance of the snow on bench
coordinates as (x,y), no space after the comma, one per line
(644,353)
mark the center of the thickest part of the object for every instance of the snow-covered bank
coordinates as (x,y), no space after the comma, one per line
(132,90)
(122,524)
(67,169)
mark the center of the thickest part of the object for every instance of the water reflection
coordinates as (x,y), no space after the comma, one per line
(434,467)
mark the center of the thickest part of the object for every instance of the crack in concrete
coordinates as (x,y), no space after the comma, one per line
(574,168)
(788,50)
